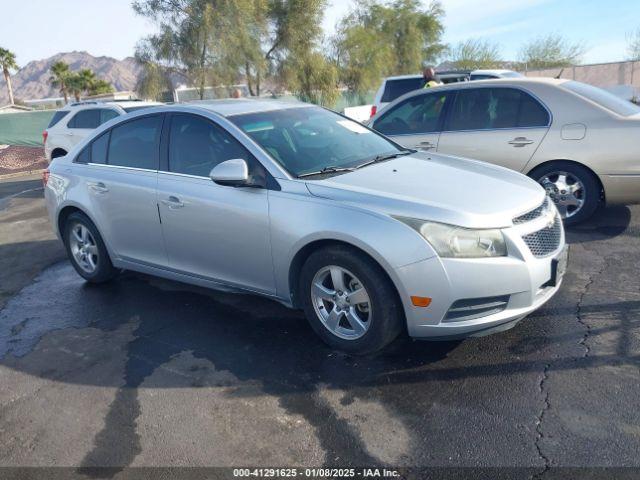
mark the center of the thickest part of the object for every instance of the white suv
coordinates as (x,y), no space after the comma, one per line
(75,121)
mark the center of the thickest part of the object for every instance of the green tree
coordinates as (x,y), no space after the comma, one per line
(154,81)
(99,86)
(216,41)
(195,40)
(475,53)
(8,63)
(86,81)
(551,51)
(378,39)
(60,74)
(633,45)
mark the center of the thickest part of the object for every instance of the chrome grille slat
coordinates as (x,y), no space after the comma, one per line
(546,241)
(533,214)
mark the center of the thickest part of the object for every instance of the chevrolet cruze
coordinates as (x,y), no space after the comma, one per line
(314,210)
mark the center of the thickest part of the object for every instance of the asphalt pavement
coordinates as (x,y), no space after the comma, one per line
(147,372)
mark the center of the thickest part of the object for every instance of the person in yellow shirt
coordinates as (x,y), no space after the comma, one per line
(430,78)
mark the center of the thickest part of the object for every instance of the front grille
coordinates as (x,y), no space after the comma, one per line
(533,214)
(470,308)
(546,241)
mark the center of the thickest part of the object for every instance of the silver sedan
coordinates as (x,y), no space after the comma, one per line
(578,141)
(314,210)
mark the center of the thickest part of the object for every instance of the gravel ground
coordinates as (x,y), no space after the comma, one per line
(15,159)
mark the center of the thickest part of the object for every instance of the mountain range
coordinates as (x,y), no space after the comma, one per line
(32,80)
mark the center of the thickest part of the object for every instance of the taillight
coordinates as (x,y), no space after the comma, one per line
(374,110)
(45,134)
(45,177)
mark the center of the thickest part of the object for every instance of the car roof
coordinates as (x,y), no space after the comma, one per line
(502,81)
(490,71)
(239,106)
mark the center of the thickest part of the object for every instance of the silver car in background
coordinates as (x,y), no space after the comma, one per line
(578,141)
(314,210)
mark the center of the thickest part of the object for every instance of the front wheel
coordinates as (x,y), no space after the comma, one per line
(349,300)
(573,188)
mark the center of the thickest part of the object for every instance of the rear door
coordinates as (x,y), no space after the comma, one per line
(121,177)
(499,125)
(415,122)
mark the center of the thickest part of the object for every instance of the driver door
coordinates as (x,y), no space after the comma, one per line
(415,122)
(211,231)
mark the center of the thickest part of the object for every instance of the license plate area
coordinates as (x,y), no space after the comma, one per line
(559,267)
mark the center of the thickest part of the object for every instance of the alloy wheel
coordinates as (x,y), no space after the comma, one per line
(341,302)
(83,248)
(565,190)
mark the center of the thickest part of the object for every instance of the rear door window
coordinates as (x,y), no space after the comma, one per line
(107,114)
(92,117)
(136,143)
(396,88)
(89,118)
(495,108)
(99,149)
(416,115)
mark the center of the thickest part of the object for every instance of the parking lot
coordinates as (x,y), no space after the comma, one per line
(147,372)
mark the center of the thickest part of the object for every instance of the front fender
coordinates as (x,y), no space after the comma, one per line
(297,221)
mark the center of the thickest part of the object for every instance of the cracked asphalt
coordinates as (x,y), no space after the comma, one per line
(147,372)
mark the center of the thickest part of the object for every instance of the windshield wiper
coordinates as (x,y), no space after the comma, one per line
(329,169)
(386,156)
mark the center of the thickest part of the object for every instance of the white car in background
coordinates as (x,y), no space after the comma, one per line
(578,141)
(75,121)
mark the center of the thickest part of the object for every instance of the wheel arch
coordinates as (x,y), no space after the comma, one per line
(58,152)
(66,211)
(567,160)
(303,253)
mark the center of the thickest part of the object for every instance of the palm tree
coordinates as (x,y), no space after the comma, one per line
(60,78)
(75,84)
(8,62)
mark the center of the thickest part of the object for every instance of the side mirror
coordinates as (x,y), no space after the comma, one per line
(233,173)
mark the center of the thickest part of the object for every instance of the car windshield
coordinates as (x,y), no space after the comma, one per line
(603,98)
(311,139)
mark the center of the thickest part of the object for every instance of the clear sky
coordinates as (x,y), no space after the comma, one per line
(36,29)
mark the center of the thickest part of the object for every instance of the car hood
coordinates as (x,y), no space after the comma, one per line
(435,187)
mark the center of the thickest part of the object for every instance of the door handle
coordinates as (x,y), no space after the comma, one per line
(520,142)
(97,187)
(69,134)
(173,202)
(425,146)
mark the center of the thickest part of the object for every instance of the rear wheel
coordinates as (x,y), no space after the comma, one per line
(86,250)
(573,188)
(349,301)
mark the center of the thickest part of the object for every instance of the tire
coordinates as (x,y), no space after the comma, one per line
(382,317)
(80,232)
(589,193)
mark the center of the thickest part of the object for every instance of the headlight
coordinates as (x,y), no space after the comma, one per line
(458,242)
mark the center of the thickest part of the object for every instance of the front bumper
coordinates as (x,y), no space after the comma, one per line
(521,281)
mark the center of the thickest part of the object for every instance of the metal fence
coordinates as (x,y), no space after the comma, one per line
(24,128)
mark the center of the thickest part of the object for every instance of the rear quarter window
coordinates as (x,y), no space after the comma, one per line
(59,115)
